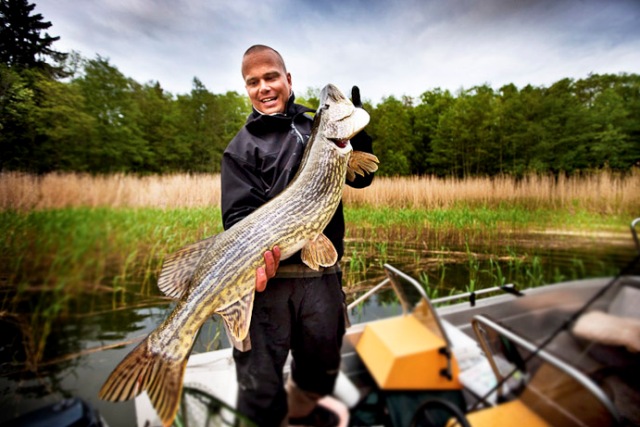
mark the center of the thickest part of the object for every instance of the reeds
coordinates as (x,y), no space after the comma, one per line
(605,192)
(22,191)
(89,249)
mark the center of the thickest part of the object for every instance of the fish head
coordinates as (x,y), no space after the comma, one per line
(340,120)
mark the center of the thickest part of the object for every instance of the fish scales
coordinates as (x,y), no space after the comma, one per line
(176,345)
(217,275)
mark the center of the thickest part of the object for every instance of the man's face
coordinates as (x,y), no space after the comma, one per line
(267,82)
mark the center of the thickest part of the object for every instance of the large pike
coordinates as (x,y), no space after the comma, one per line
(217,275)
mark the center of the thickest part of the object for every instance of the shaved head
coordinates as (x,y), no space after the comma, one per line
(260,48)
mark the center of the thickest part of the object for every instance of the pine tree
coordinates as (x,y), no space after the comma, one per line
(22,45)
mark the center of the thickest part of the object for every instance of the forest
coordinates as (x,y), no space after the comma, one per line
(64,112)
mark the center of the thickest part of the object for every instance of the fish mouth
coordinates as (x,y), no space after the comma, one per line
(341,143)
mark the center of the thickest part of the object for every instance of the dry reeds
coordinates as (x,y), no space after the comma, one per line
(22,191)
(604,192)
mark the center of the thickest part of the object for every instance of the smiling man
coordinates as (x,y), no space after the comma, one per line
(301,310)
(266,79)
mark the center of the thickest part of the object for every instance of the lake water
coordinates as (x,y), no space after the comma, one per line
(78,355)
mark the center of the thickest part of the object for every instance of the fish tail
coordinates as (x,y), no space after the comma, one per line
(144,370)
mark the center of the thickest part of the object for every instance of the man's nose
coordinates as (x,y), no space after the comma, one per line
(264,86)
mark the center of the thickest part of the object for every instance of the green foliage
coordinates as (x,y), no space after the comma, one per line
(206,122)
(427,116)
(63,126)
(391,128)
(22,46)
(101,121)
(117,143)
(17,105)
(310,98)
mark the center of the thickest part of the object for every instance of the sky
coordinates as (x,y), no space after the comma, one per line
(388,48)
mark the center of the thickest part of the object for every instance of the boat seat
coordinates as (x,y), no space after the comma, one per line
(607,329)
(617,324)
(609,335)
(536,384)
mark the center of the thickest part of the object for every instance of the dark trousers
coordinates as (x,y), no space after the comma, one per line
(304,315)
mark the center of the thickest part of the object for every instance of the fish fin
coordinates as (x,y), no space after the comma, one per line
(360,163)
(237,317)
(319,252)
(244,345)
(178,268)
(142,369)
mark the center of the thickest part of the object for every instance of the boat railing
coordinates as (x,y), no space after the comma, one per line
(362,298)
(471,296)
(556,390)
(405,304)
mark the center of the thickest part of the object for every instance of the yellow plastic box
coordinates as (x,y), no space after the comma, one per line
(401,353)
(503,415)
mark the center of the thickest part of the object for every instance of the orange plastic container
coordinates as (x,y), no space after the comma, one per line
(401,353)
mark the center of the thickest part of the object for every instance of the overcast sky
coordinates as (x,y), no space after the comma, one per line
(401,47)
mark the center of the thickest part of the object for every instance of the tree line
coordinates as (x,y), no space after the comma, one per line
(62,112)
(101,121)
(571,126)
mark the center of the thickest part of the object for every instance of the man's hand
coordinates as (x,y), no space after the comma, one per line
(271,263)
(355,97)
(361,141)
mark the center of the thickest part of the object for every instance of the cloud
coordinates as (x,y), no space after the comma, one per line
(388,48)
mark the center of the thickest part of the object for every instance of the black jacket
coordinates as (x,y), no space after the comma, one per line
(263,158)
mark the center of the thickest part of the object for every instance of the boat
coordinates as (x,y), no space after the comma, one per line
(565,354)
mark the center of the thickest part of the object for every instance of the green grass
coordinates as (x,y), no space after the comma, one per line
(83,249)
(463,217)
(121,250)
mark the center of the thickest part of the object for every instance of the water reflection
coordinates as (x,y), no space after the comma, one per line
(74,363)
(524,260)
(83,345)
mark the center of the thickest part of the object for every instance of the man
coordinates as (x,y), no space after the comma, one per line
(301,310)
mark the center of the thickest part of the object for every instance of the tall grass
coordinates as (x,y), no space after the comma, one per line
(22,191)
(89,249)
(606,192)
